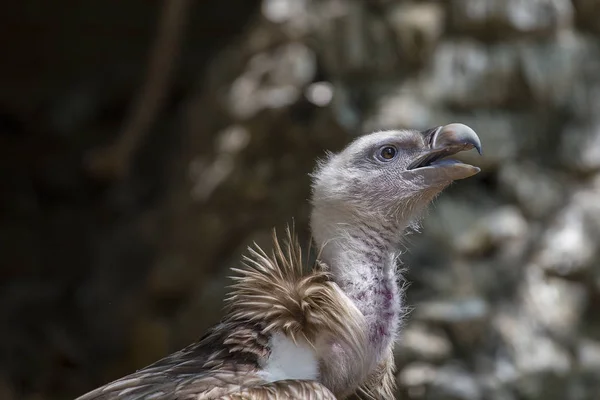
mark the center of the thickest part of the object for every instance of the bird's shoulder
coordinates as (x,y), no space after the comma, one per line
(226,359)
(272,295)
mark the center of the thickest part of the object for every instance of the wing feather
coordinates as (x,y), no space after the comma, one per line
(271,293)
(276,291)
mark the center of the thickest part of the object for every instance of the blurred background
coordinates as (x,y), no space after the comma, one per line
(145,144)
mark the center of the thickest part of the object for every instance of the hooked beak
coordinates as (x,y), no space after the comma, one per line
(445,141)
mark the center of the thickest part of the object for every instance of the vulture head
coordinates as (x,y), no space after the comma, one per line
(386,178)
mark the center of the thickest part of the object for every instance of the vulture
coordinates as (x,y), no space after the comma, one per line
(324,332)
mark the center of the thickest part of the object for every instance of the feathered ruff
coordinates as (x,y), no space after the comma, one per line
(381,384)
(276,292)
(271,294)
(284,390)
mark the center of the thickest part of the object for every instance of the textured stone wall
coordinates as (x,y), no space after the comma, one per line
(106,276)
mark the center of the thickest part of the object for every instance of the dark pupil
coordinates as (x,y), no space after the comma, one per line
(388,153)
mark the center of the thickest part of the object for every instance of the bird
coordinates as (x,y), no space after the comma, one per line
(325,330)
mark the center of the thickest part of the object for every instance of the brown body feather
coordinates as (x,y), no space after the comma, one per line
(285,390)
(381,384)
(270,294)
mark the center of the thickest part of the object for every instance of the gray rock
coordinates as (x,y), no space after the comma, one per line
(530,350)
(468,74)
(423,380)
(292,15)
(272,79)
(510,17)
(404,107)
(568,247)
(588,14)
(580,146)
(553,303)
(417,375)
(549,67)
(418,28)
(453,311)
(503,228)
(584,96)
(344,109)
(352,39)
(537,191)
(420,342)
(455,382)
(588,355)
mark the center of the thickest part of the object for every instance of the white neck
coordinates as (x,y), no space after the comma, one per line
(362,260)
(363,264)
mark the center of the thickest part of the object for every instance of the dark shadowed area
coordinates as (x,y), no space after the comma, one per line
(145,144)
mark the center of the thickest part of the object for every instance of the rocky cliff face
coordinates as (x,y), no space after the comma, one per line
(106,275)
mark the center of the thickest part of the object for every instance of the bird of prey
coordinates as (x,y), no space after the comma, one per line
(326,332)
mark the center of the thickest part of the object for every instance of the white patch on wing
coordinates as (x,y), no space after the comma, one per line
(289,360)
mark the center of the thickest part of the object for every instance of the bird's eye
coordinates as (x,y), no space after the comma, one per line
(387,153)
